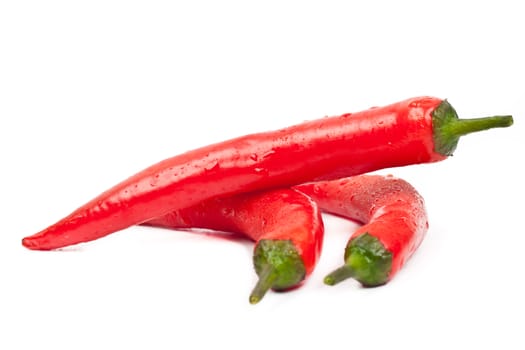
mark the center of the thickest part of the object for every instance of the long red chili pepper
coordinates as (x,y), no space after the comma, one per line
(417,130)
(285,224)
(395,223)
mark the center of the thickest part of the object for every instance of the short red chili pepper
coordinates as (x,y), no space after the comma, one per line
(285,224)
(395,223)
(417,130)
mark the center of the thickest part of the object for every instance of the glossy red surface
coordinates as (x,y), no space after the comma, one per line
(282,214)
(389,209)
(328,148)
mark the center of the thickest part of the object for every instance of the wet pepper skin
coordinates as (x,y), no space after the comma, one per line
(333,147)
(281,214)
(389,208)
(285,224)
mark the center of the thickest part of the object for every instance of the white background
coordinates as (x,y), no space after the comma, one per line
(92,92)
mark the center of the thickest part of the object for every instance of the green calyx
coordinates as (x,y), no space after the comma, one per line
(279,266)
(448,128)
(366,260)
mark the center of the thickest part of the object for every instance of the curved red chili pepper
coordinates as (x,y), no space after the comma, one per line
(394,217)
(285,224)
(417,130)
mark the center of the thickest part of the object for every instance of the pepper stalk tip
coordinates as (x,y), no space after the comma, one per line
(342,273)
(265,282)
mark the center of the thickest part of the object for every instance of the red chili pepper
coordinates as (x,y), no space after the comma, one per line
(417,130)
(285,224)
(395,223)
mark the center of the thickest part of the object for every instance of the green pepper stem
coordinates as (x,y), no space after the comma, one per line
(460,127)
(266,279)
(339,275)
(448,128)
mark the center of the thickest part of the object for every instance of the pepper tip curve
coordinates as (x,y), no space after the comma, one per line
(28,243)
